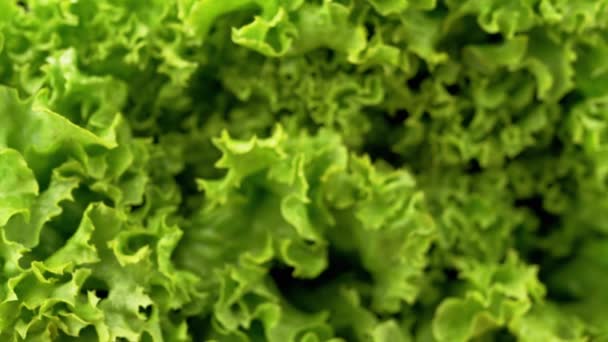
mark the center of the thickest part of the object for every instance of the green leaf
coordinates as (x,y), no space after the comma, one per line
(18,187)
(44,208)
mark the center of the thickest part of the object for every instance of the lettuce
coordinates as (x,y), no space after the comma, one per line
(303,170)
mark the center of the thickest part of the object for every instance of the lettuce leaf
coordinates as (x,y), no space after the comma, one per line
(303,170)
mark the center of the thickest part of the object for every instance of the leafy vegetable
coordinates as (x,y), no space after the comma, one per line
(303,170)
